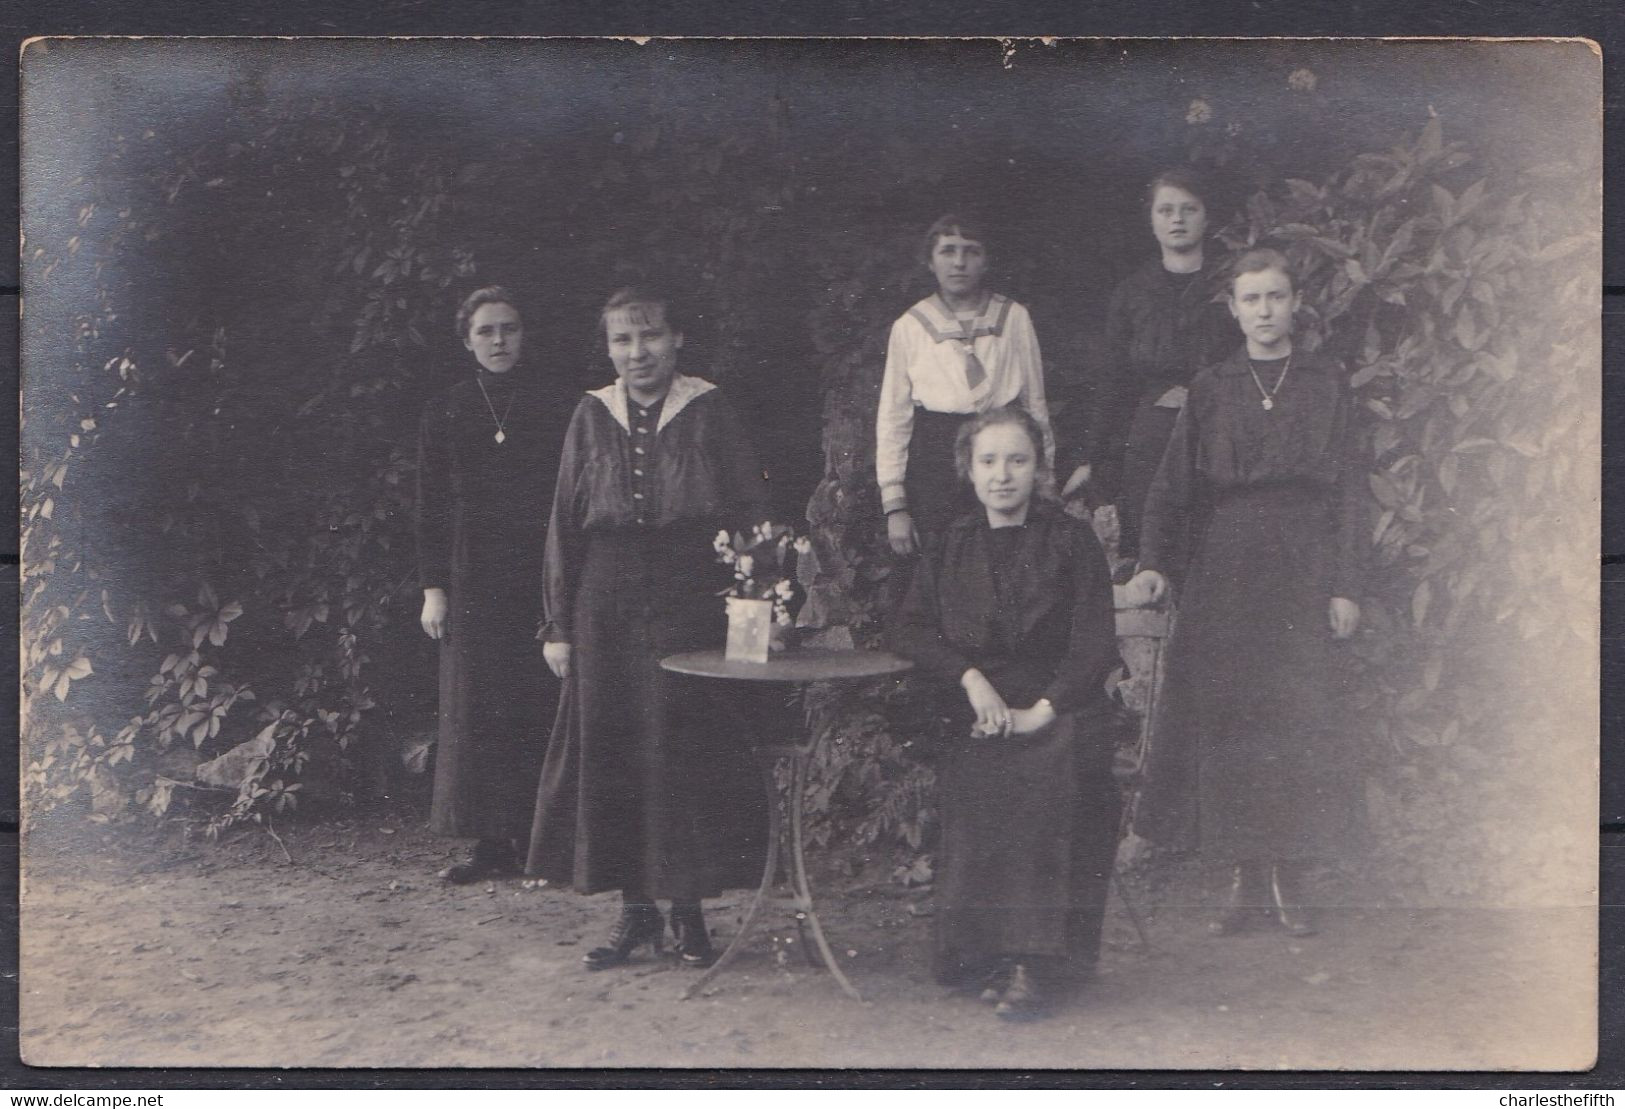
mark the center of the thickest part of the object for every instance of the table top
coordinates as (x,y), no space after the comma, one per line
(800,664)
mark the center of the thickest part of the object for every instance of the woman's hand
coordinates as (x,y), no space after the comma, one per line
(992,714)
(900,532)
(558,659)
(1080,478)
(1148,587)
(1035,719)
(1344,616)
(435,609)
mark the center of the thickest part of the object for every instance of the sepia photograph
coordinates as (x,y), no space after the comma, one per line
(1058,554)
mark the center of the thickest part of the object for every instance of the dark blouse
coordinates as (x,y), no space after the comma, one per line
(672,487)
(1161,328)
(1226,443)
(1028,606)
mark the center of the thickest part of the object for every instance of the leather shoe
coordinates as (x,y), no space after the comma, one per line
(1248,904)
(1025,998)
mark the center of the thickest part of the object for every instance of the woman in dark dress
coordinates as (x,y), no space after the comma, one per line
(487,453)
(1258,514)
(1163,323)
(648,787)
(1015,609)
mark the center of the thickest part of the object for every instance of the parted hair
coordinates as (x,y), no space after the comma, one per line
(965,443)
(479,298)
(649,295)
(1180,177)
(1258,261)
(965,225)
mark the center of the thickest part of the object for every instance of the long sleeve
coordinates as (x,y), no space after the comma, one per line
(915,628)
(1024,349)
(894,423)
(434,510)
(1092,644)
(566,542)
(1166,528)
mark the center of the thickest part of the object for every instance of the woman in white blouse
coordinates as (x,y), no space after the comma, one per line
(961,351)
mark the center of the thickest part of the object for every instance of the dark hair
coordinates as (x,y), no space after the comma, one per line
(1179,178)
(479,298)
(1258,261)
(965,226)
(997,417)
(647,295)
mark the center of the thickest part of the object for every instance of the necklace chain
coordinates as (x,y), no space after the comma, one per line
(502,429)
(1268,395)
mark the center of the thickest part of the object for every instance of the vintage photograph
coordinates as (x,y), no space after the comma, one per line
(810,553)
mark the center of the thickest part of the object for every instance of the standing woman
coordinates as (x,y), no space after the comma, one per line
(960,351)
(487,454)
(1258,512)
(1162,325)
(647,789)
(1014,608)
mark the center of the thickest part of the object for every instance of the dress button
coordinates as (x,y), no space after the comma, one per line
(643,431)
(637,496)
(639,473)
(639,450)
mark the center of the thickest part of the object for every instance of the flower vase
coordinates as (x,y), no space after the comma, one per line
(750,630)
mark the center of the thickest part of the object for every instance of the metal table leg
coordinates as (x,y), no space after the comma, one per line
(803,892)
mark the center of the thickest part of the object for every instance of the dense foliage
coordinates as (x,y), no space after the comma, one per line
(219,594)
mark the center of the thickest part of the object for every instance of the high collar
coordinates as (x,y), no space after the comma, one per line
(683,390)
(1240,363)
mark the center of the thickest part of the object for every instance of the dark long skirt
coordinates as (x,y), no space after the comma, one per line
(1029,839)
(1142,454)
(936,494)
(497,703)
(649,783)
(1247,761)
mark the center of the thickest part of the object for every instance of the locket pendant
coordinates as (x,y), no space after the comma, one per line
(499,436)
(1268,404)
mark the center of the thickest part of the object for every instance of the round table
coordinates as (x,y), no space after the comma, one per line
(798,666)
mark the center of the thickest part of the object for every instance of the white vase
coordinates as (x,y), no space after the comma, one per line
(750,630)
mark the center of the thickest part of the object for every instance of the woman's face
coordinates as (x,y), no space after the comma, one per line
(1178,218)
(643,348)
(1263,303)
(1004,469)
(495,335)
(959,264)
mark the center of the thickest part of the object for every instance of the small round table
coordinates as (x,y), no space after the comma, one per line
(798,666)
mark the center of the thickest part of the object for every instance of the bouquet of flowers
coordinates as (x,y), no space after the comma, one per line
(762,565)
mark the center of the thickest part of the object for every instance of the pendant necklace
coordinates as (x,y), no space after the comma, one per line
(502,436)
(1269,394)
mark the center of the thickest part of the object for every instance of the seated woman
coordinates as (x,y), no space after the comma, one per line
(647,787)
(1015,607)
(1258,512)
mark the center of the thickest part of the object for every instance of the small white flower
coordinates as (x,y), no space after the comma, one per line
(784,588)
(783,617)
(803,545)
(1199,112)
(746,565)
(1302,80)
(721,542)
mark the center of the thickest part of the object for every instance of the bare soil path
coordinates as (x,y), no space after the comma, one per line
(345,951)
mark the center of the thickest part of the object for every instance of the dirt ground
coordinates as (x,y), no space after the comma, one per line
(337,947)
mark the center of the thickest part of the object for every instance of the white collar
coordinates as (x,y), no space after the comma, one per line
(683,389)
